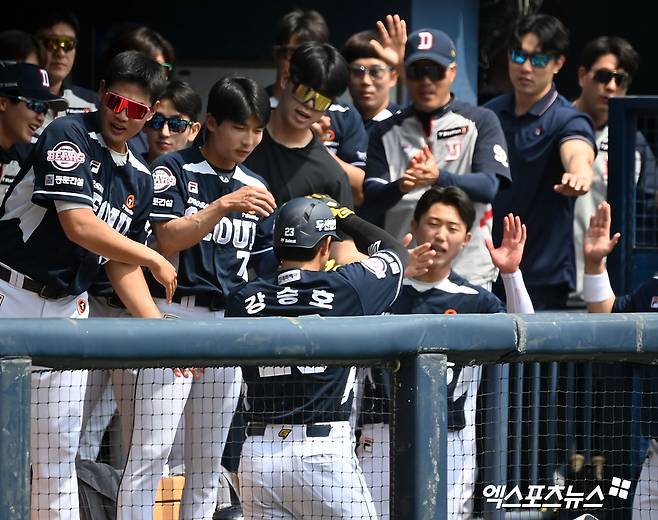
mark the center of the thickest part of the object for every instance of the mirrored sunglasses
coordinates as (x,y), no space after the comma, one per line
(433,71)
(40,107)
(604,76)
(537,59)
(118,103)
(176,124)
(54,43)
(376,72)
(304,94)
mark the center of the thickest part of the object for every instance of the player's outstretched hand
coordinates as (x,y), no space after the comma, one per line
(597,243)
(165,274)
(337,210)
(186,372)
(508,256)
(249,199)
(421,258)
(394,37)
(572,185)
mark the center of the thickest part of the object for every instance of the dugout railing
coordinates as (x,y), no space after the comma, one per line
(415,346)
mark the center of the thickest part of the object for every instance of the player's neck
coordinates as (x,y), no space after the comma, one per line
(434,275)
(524,102)
(214,159)
(285,134)
(368,114)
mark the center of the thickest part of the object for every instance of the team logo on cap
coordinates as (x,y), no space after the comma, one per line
(65,156)
(44,78)
(425,40)
(163,179)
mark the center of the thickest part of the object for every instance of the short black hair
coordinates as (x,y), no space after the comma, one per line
(307,25)
(628,58)
(184,98)
(237,98)
(135,67)
(134,37)
(450,196)
(47,17)
(358,46)
(18,45)
(553,36)
(298,254)
(321,67)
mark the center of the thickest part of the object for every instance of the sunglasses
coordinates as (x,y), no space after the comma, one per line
(537,59)
(176,124)
(605,76)
(376,72)
(117,103)
(418,71)
(304,94)
(40,107)
(54,43)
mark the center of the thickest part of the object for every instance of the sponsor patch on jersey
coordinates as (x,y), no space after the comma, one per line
(81,306)
(63,180)
(325,224)
(375,265)
(654,302)
(329,135)
(450,311)
(163,203)
(284,432)
(65,156)
(163,179)
(451,132)
(193,187)
(367,443)
(130,201)
(603,146)
(95,166)
(290,276)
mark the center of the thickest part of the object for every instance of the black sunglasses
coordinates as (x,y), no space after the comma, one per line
(605,76)
(40,107)
(176,124)
(417,71)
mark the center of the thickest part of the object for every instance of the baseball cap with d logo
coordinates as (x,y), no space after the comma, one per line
(30,82)
(430,44)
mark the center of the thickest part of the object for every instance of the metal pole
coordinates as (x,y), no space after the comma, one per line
(419,461)
(15,438)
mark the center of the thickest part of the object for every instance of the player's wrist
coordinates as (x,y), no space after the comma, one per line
(596,288)
(594,266)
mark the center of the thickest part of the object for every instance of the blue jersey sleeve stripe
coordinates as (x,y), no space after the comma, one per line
(64,195)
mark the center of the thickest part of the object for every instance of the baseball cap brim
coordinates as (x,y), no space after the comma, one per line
(432,56)
(57,103)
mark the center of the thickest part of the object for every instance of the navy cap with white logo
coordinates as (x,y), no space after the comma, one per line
(29,81)
(430,44)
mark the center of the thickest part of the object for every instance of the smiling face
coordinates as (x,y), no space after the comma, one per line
(117,128)
(442,226)
(595,95)
(299,116)
(230,142)
(17,122)
(163,140)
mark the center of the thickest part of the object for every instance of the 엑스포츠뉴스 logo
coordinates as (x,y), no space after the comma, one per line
(65,156)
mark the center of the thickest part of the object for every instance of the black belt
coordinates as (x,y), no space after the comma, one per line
(113,300)
(312,430)
(213,302)
(43,290)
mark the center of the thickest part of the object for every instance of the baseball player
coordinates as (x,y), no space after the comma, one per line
(298,459)
(210,215)
(437,140)
(78,205)
(599,297)
(24,102)
(443,217)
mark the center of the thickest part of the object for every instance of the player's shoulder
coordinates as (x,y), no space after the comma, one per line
(138,163)
(395,120)
(380,265)
(479,114)
(248,177)
(81,124)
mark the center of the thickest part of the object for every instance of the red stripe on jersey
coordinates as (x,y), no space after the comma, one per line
(488,215)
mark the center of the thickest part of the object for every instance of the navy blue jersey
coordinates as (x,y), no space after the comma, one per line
(10,164)
(303,395)
(184,183)
(71,163)
(453,295)
(644,299)
(534,141)
(346,137)
(390,109)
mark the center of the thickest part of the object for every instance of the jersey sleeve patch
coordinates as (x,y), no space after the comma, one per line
(65,156)
(163,179)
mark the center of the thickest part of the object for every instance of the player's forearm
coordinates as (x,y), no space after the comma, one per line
(355,176)
(182,233)
(516,293)
(577,158)
(129,283)
(366,235)
(83,228)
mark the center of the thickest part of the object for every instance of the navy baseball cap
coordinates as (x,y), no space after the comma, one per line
(430,44)
(29,81)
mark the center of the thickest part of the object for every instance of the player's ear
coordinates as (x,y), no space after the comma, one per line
(153,110)
(414,227)
(467,239)
(211,122)
(194,130)
(101,89)
(581,75)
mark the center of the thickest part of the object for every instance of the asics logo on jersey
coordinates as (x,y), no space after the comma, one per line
(65,156)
